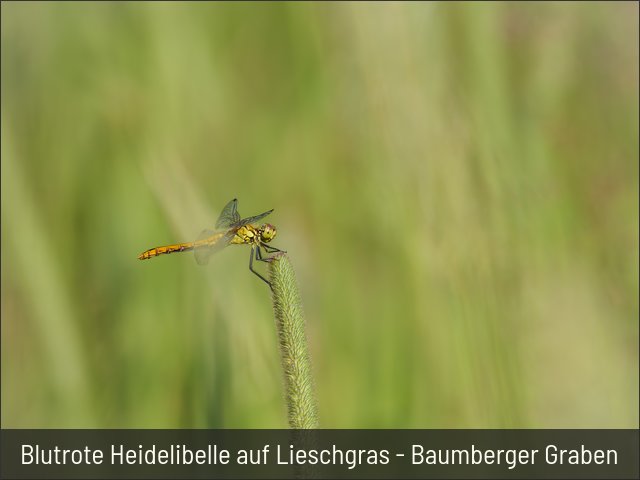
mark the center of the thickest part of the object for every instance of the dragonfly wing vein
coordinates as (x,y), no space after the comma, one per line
(254,219)
(229,216)
(210,242)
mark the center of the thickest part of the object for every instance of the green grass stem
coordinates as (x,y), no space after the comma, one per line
(294,352)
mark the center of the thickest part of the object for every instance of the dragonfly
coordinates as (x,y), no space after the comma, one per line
(230,229)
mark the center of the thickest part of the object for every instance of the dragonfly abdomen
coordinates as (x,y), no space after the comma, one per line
(154,252)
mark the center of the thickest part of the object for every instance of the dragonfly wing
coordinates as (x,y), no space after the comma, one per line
(208,243)
(254,219)
(229,216)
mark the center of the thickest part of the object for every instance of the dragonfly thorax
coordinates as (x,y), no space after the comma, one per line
(254,235)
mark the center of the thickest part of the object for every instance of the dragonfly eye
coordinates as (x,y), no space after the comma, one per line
(268,232)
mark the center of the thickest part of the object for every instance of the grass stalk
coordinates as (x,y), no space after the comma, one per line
(294,351)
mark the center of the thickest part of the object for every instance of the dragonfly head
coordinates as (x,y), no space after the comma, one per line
(267,232)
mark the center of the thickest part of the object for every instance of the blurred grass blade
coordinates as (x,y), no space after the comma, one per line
(35,268)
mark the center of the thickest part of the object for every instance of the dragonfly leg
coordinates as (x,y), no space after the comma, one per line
(271,249)
(259,253)
(256,251)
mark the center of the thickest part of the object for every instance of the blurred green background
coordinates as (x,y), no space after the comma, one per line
(456,185)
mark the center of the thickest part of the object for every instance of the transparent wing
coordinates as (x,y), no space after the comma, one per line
(254,219)
(229,216)
(210,242)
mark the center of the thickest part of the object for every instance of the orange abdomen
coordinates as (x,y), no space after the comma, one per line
(154,252)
